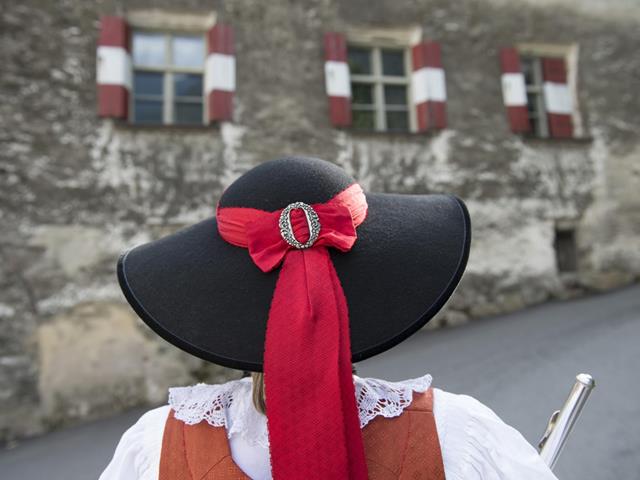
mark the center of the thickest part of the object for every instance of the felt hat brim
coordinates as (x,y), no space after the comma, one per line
(208,298)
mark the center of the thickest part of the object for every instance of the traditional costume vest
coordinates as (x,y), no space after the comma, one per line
(404,447)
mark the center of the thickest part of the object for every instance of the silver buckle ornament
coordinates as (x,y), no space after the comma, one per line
(286,230)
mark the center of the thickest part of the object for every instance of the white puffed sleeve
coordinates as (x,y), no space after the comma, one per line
(137,456)
(477,445)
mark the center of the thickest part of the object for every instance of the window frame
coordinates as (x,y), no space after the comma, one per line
(378,81)
(540,126)
(168,70)
(569,52)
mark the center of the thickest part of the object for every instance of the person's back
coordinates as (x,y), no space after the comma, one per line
(300,274)
(441,435)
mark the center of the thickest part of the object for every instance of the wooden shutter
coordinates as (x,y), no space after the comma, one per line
(220,73)
(337,82)
(514,91)
(428,89)
(557,97)
(113,68)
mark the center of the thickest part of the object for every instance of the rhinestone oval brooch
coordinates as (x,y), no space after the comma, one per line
(286,230)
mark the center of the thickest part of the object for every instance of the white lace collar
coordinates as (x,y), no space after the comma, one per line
(230,404)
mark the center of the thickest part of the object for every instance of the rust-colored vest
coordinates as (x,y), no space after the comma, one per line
(404,447)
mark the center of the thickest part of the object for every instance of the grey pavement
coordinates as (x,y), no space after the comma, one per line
(522,365)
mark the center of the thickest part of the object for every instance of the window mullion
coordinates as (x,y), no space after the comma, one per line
(168,83)
(411,112)
(167,110)
(378,90)
(542,111)
(379,101)
(203,97)
(142,96)
(394,80)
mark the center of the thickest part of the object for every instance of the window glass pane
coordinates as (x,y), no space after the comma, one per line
(147,111)
(397,121)
(532,104)
(188,113)
(362,93)
(363,119)
(527,66)
(393,63)
(187,85)
(147,83)
(148,49)
(188,51)
(359,60)
(395,95)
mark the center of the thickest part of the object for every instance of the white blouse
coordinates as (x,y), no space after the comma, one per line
(475,443)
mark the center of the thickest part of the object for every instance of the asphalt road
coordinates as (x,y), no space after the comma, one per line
(521,365)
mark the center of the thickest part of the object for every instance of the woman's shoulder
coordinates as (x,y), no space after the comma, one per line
(137,453)
(475,442)
(147,426)
(462,407)
(153,416)
(478,444)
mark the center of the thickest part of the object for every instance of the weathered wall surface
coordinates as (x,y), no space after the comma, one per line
(75,190)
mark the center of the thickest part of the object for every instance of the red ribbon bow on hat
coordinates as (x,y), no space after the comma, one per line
(313,422)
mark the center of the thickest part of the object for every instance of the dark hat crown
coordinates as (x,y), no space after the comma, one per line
(275,184)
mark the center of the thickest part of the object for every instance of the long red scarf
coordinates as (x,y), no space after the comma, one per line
(314,428)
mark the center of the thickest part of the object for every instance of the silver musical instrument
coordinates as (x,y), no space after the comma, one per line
(562,421)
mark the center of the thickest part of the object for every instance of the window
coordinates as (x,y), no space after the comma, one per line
(534,84)
(539,89)
(565,247)
(168,78)
(379,88)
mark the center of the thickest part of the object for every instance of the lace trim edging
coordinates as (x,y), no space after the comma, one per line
(229,405)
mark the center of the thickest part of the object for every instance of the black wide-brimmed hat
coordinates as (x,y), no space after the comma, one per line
(207,297)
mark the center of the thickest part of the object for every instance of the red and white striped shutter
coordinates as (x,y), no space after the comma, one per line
(514,91)
(337,81)
(113,68)
(220,73)
(428,89)
(557,97)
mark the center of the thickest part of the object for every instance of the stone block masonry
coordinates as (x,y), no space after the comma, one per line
(76,190)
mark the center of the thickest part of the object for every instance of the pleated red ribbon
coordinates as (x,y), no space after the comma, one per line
(314,428)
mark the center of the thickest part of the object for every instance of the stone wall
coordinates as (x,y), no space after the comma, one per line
(76,190)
